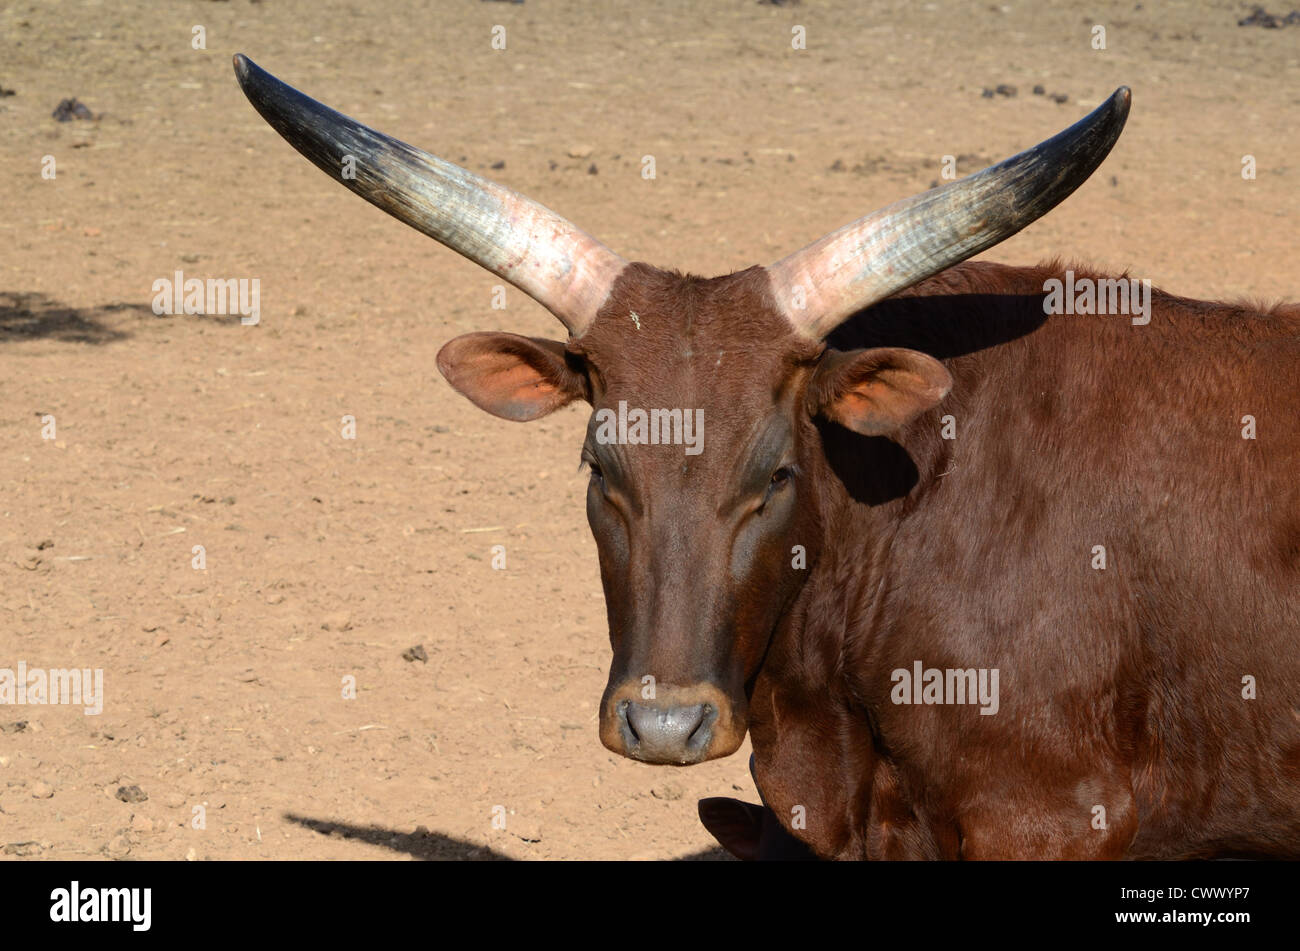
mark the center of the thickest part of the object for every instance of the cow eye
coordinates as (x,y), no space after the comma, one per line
(780,478)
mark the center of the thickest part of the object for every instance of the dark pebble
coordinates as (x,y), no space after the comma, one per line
(70,109)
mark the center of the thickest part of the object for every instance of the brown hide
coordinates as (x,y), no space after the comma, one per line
(1120,688)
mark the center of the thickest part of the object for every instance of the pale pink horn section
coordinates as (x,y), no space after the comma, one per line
(850,269)
(560,266)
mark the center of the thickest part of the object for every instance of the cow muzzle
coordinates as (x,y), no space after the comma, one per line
(670,724)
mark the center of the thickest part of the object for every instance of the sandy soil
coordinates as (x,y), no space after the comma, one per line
(328,558)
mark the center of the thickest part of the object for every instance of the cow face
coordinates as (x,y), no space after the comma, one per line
(702,496)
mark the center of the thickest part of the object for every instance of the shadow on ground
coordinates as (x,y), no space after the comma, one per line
(32,316)
(436,847)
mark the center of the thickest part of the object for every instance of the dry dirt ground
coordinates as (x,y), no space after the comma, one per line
(328,558)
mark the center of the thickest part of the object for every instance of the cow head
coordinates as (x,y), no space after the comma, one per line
(706,394)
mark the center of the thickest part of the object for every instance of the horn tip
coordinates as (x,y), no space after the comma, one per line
(243,67)
(1122,97)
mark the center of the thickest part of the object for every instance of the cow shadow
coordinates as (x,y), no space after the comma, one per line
(942,325)
(29,315)
(438,847)
(422,844)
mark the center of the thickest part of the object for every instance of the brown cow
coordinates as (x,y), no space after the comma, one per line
(979,581)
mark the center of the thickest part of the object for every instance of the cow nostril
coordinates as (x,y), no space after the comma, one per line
(627,720)
(701,734)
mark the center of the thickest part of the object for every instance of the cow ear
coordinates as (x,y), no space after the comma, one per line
(738,826)
(516,378)
(876,392)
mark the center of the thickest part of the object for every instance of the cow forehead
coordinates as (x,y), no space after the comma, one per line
(686,340)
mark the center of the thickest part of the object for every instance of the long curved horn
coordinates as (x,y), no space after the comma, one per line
(561,267)
(888,250)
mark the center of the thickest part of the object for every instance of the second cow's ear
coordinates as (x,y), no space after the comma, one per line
(876,392)
(738,826)
(516,378)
